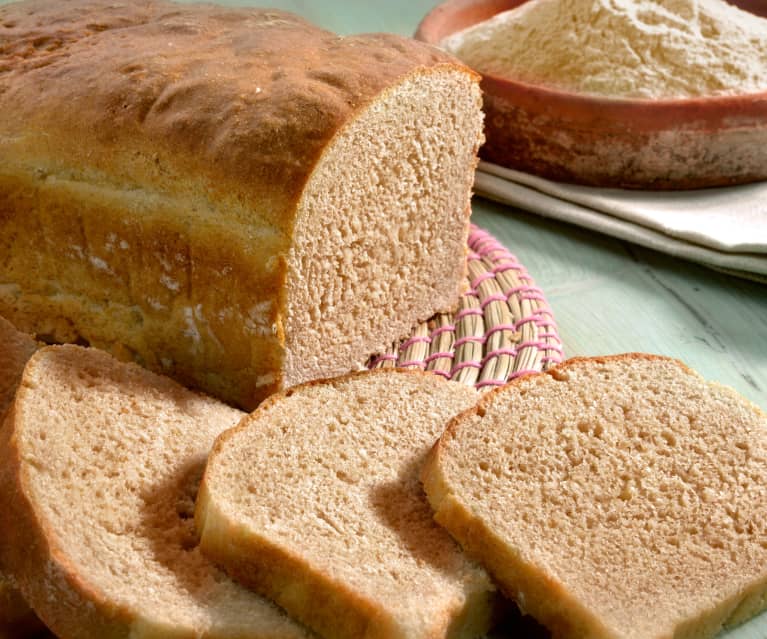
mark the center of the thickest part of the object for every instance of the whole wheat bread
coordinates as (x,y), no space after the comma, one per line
(99,465)
(314,501)
(613,497)
(16,618)
(232,197)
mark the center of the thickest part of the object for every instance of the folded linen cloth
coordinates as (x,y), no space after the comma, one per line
(725,228)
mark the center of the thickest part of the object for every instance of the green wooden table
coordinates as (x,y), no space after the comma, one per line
(607,296)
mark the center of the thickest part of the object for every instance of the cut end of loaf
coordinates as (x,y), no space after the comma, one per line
(314,501)
(610,487)
(380,237)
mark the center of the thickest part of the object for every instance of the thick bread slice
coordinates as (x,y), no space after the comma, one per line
(16,618)
(99,467)
(613,497)
(232,197)
(315,502)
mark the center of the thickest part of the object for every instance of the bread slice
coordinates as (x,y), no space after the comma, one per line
(612,497)
(16,617)
(314,501)
(99,465)
(232,197)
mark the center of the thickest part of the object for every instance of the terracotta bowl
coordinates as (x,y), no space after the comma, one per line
(632,143)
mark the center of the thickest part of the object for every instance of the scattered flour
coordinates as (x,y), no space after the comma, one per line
(623,48)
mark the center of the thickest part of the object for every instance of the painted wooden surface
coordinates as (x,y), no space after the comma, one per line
(607,296)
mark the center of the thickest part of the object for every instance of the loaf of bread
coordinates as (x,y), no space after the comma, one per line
(16,618)
(619,497)
(99,466)
(315,502)
(232,197)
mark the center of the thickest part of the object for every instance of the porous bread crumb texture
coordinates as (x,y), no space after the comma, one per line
(614,497)
(106,458)
(355,277)
(210,133)
(315,501)
(622,48)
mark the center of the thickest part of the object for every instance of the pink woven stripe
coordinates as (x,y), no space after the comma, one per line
(411,362)
(445,354)
(388,357)
(551,358)
(524,320)
(508,266)
(516,290)
(466,312)
(449,328)
(418,339)
(469,338)
(495,297)
(487,275)
(511,352)
(462,365)
(500,327)
(539,344)
(444,374)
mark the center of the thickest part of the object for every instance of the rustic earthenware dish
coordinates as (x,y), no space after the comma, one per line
(632,143)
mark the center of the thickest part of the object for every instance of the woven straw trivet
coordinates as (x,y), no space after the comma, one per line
(503,327)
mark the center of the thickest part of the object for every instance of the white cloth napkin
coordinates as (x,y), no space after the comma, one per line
(725,228)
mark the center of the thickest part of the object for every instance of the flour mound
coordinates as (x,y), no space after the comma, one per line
(623,48)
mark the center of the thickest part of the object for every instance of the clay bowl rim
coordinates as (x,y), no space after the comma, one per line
(716,108)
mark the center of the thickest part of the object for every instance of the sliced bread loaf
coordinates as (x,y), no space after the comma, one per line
(259,202)
(99,464)
(615,497)
(314,501)
(16,618)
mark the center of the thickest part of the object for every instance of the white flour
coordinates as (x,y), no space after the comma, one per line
(626,48)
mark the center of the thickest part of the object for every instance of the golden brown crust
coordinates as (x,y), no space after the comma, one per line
(542,588)
(326,600)
(26,548)
(153,155)
(65,583)
(15,349)
(246,99)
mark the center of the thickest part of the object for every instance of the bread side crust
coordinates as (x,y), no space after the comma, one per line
(327,604)
(535,592)
(16,618)
(273,575)
(41,572)
(542,597)
(66,592)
